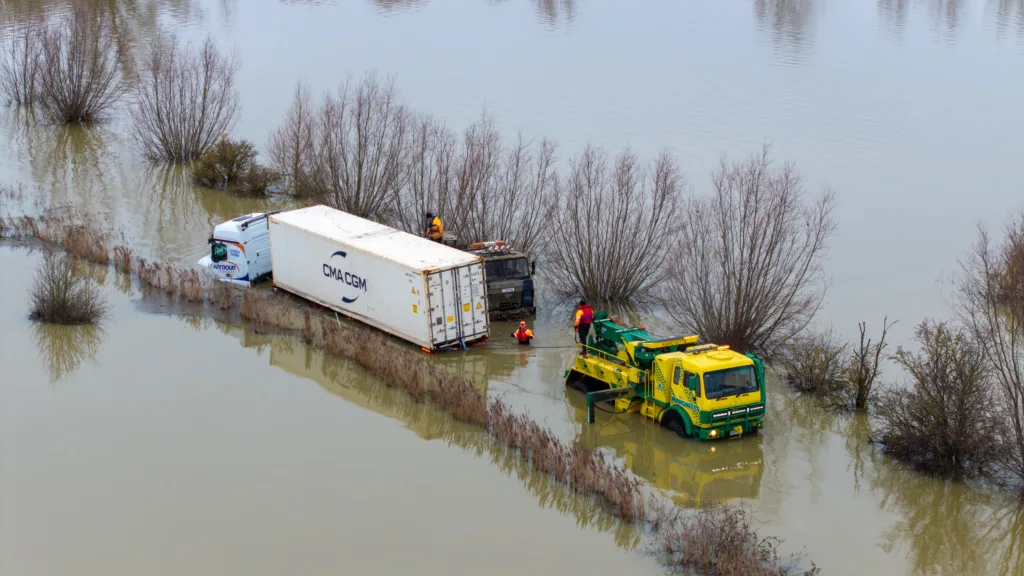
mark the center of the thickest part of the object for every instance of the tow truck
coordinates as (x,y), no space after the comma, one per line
(698,390)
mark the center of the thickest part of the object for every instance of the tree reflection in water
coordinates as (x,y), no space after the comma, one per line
(64,348)
(950,527)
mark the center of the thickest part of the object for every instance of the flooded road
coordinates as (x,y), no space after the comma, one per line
(219,463)
(909,110)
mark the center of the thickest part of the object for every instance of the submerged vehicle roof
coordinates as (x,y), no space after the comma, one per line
(233,228)
(373,238)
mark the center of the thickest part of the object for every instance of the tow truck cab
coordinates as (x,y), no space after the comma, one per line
(240,250)
(715,391)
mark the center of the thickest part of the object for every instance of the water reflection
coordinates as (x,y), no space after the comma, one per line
(788,21)
(950,527)
(344,379)
(691,473)
(1008,14)
(96,170)
(140,18)
(64,348)
(554,12)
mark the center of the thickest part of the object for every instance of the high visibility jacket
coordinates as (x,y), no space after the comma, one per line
(523,335)
(436,229)
(584,315)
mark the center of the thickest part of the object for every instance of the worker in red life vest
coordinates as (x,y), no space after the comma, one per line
(523,335)
(584,316)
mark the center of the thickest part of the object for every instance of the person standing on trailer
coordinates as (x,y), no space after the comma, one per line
(523,334)
(584,316)
(435,229)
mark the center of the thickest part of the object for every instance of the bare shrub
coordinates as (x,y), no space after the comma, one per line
(59,296)
(747,269)
(20,63)
(610,227)
(865,367)
(943,421)
(186,100)
(720,540)
(990,304)
(232,164)
(815,363)
(80,77)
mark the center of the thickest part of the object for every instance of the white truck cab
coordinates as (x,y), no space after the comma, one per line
(240,250)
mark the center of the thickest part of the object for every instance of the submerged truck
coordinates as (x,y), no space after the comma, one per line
(703,391)
(424,292)
(509,280)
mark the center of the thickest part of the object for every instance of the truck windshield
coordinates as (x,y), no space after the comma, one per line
(508,269)
(730,382)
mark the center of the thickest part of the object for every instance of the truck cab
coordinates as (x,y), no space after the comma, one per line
(509,280)
(240,250)
(710,392)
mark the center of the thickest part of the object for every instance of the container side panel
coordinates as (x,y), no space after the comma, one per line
(380,292)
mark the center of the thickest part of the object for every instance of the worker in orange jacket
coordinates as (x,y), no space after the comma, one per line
(523,335)
(584,316)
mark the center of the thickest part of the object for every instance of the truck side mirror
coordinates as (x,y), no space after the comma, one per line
(692,383)
(533,267)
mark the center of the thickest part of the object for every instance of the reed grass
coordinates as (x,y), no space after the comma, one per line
(718,540)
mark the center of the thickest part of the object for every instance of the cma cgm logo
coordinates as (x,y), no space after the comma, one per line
(356,283)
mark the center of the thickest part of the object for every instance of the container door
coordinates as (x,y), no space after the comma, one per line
(444,313)
(472,301)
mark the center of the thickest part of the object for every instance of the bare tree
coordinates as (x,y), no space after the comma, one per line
(519,205)
(747,269)
(360,159)
(186,100)
(291,147)
(942,422)
(433,149)
(611,227)
(20,63)
(80,77)
(865,367)
(990,304)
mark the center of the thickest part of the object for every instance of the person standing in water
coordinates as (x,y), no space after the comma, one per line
(523,334)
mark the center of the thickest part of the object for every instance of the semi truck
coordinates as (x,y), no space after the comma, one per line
(424,292)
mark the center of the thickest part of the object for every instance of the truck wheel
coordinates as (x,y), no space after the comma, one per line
(673,422)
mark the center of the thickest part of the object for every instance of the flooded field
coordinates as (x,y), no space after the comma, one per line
(173,445)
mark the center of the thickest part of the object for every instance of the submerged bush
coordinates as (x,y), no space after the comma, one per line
(79,74)
(943,421)
(815,363)
(59,296)
(843,375)
(990,303)
(232,163)
(747,269)
(186,100)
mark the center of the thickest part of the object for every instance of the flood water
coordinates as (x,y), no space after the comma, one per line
(168,445)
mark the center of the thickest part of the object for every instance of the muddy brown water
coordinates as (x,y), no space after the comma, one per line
(162,444)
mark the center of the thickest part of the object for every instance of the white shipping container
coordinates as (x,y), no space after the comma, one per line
(422,291)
